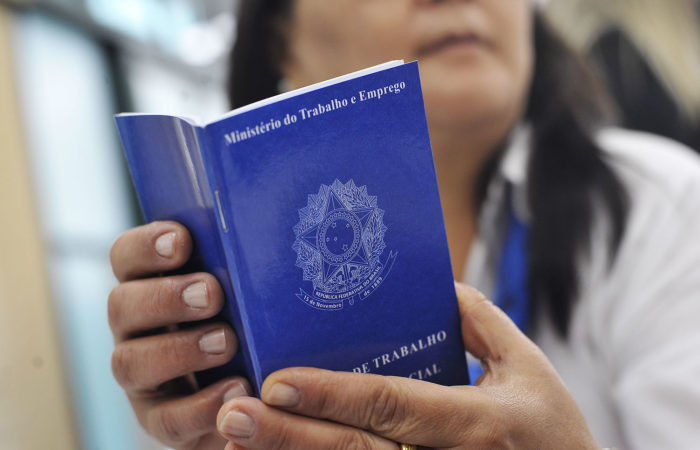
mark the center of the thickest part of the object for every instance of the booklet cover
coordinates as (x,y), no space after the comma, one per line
(318,211)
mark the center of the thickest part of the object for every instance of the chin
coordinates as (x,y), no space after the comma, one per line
(471,99)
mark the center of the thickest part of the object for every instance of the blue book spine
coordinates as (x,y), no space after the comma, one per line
(167,167)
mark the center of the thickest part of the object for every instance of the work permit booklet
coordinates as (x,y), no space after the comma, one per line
(318,211)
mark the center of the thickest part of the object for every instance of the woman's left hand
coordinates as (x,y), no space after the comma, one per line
(519,402)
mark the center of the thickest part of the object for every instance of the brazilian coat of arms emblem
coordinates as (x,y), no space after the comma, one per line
(339,244)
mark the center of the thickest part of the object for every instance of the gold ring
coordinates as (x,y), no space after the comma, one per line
(407,446)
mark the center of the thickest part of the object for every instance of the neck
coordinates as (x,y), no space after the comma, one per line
(459,157)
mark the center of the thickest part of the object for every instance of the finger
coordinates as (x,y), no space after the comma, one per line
(141,365)
(185,422)
(141,305)
(487,331)
(150,249)
(251,424)
(211,440)
(400,409)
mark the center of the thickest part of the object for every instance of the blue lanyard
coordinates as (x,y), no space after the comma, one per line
(511,293)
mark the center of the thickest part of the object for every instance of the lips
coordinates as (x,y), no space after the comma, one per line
(450,41)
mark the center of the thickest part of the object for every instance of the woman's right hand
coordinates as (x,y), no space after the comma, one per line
(152,360)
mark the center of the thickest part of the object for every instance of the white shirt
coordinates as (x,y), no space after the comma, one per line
(632,359)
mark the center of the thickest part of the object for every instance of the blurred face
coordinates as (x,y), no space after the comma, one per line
(475,56)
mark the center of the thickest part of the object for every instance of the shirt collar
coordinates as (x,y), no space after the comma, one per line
(512,172)
(514,163)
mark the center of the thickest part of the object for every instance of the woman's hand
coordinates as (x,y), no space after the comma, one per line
(519,402)
(152,361)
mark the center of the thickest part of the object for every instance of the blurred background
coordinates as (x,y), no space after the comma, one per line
(66,66)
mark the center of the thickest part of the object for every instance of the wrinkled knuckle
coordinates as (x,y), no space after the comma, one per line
(326,407)
(283,439)
(163,293)
(122,366)
(492,434)
(354,441)
(385,414)
(180,351)
(166,425)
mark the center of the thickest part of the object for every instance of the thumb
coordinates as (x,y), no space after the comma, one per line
(487,331)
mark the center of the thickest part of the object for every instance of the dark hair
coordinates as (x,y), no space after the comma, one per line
(254,66)
(568,175)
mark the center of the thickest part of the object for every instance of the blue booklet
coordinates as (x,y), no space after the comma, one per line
(318,211)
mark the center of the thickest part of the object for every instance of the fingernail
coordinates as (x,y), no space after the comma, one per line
(237,391)
(281,394)
(237,424)
(195,296)
(165,244)
(213,342)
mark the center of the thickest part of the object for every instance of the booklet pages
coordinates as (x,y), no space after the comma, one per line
(318,210)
